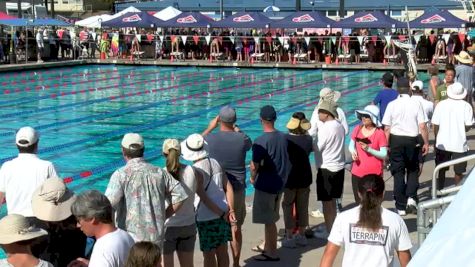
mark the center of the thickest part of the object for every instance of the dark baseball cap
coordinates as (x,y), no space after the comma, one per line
(403,82)
(268,113)
(388,77)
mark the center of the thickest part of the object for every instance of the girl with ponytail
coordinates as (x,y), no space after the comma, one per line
(369,232)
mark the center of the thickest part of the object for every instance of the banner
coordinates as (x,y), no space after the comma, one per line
(446,37)
(360,39)
(281,40)
(183,38)
(256,40)
(232,39)
(208,39)
(417,38)
(333,40)
(307,40)
(161,38)
(387,38)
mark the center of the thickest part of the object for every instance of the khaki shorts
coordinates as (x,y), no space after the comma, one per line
(240,206)
(265,209)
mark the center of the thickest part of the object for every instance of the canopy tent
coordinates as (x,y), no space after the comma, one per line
(244,20)
(93,22)
(134,19)
(304,20)
(188,20)
(130,9)
(369,19)
(167,13)
(435,18)
(33,22)
(6,16)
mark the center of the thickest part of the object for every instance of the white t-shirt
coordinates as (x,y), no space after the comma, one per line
(403,115)
(331,141)
(427,106)
(39,40)
(364,247)
(20,177)
(42,263)
(452,116)
(185,216)
(111,250)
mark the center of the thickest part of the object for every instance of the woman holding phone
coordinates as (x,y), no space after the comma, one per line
(368,147)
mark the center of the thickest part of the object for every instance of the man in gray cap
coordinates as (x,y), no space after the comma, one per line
(138,192)
(229,147)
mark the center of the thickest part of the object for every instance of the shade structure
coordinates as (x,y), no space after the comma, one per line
(130,9)
(133,19)
(369,19)
(6,16)
(167,13)
(93,22)
(34,22)
(189,20)
(244,20)
(435,18)
(304,20)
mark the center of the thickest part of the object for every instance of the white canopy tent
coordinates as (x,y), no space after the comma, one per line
(167,13)
(93,22)
(130,9)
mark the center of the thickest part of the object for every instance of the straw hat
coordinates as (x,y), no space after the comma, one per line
(192,148)
(52,201)
(298,120)
(170,144)
(15,228)
(456,91)
(464,58)
(372,111)
(328,94)
(329,106)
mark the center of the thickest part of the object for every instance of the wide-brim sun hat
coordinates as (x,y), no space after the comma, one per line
(52,201)
(328,106)
(295,123)
(372,111)
(456,91)
(15,228)
(464,57)
(193,149)
(328,94)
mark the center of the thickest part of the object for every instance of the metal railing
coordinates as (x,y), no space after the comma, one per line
(430,211)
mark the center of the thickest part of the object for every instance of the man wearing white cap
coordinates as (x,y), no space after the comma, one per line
(452,118)
(20,176)
(138,191)
(418,94)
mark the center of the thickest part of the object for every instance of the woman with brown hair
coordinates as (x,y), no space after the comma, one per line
(369,232)
(143,254)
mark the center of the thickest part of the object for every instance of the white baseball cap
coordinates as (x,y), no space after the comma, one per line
(417,84)
(132,139)
(26,136)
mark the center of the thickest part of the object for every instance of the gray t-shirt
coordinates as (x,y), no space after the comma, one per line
(229,149)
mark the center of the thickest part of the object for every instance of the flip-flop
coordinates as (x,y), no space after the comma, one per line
(258,248)
(264,257)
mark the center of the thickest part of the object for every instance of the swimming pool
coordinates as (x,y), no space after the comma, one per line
(83,112)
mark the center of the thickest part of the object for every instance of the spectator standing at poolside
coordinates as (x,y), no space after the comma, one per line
(355,229)
(452,118)
(404,120)
(464,74)
(180,228)
(229,147)
(368,147)
(448,80)
(39,44)
(417,93)
(386,95)
(144,254)
(434,82)
(270,167)
(94,215)
(51,205)
(214,204)
(138,191)
(21,176)
(297,188)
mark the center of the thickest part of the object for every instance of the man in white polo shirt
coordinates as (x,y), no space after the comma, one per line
(452,118)
(404,119)
(21,176)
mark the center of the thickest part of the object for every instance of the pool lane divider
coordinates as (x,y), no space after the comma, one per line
(173,119)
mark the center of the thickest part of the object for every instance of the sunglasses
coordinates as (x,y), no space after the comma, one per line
(366,116)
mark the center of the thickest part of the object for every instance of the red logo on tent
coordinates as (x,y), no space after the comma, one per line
(303,18)
(187,19)
(366,18)
(434,19)
(132,18)
(243,18)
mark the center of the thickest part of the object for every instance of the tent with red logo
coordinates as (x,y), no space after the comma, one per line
(244,20)
(189,20)
(370,20)
(435,18)
(134,19)
(304,20)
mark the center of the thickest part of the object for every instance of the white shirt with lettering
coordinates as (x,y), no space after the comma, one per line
(367,248)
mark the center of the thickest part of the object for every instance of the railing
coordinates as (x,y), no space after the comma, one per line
(429,211)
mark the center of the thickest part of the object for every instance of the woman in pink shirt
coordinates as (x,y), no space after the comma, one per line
(368,147)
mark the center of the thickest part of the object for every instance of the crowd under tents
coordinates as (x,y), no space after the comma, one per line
(244,20)
(435,18)
(133,19)
(369,20)
(304,20)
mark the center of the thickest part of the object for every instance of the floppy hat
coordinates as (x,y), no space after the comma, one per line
(298,120)
(26,136)
(329,106)
(227,114)
(268,113)
(372,111)
(456,91)
(464,58)
(170,144)
(15,228)
(328,94)
(132,141)
(52,201)
(417,85)
(192,148)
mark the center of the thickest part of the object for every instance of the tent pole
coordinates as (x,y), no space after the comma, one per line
(26,45)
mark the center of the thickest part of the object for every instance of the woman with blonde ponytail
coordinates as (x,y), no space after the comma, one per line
(180,228)
(369,232)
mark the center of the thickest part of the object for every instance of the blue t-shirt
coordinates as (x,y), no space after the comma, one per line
(383,98)
(270,152)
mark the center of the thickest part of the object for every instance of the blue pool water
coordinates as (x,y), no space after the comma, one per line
(82,112)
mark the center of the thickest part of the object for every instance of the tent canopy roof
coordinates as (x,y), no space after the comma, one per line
(133,19)
(369,19)
(304,20)
(244,20)
(434,18)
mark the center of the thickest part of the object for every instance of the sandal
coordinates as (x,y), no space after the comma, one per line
(265,257)
(258,248)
